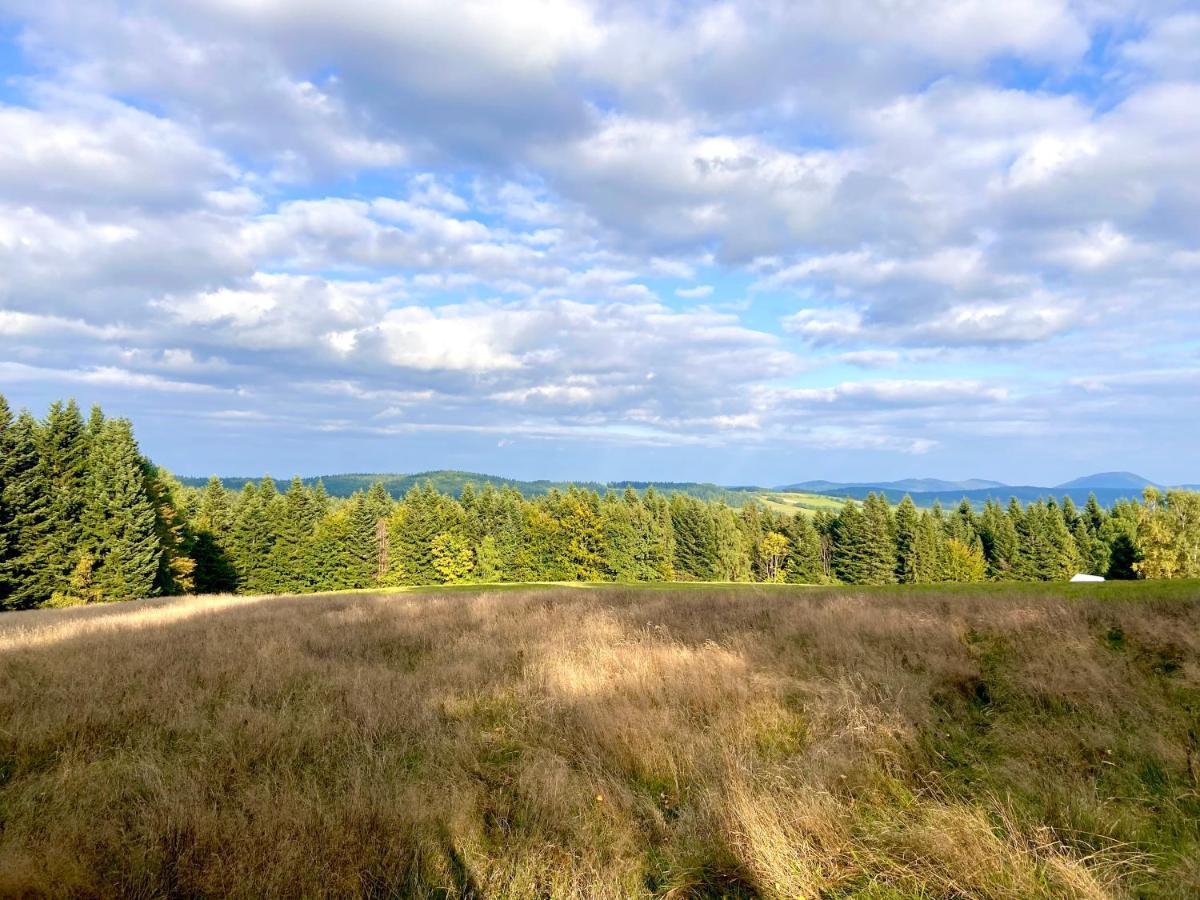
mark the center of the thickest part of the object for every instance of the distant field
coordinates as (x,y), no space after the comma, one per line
(794,502)
(966,741)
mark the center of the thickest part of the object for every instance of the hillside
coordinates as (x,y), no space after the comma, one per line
(991,741)
(452,482)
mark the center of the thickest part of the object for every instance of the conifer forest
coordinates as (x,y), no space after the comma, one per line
(86,517)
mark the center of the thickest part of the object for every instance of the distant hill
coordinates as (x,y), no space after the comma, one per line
(452,482)
(909,485)
(806,495)
(1108,487)
(1126,480)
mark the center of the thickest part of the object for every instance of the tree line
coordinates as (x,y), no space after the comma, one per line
(85,517)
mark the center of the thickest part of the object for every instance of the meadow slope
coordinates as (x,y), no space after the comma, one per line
(1009,741)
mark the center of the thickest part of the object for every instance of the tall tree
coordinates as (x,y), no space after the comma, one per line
(63,456)
(213,542)
(27,571)
(8,537)
(908,522)
(119,523)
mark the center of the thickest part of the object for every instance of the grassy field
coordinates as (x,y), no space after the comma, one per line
(1010,741)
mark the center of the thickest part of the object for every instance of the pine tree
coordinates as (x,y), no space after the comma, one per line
(851,545)
(880,559)
(119,523)
(804,563)
(998,535)
(411,533)
(62,446)
(294,521)
(964,563)
(621,539)
(177,567)
(731,544)
(8,537)
(930,565)
(695,539)
(452,558)
(252,539)
(26,571)
(908,521)
(212,544)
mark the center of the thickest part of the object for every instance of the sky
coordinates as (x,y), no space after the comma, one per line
(751,243)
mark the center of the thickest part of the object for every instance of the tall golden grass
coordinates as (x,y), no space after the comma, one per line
(604,743)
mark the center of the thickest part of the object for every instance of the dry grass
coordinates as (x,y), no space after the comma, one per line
(605,743)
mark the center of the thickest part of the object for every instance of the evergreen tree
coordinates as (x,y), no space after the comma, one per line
(695,539)
(908,522)
(212,528)
(452,558)
(121,543)
(253,538)
(964,563)
(411,532)
(177,567)
(289,563)
(804,563)
(880,560)
(622,541)
(62,446)
(8,537)
(362,552)
(26,572)
(930,564)
(730,543)
(998,535)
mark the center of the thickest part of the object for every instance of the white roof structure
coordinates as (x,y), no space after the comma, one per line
(1082,577)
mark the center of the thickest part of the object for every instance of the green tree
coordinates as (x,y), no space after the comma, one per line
(253,537)
(452,558)
(212,545)
(119,521)
(62,447)
(27,572)
(908,523)
(8,536)
(964,562)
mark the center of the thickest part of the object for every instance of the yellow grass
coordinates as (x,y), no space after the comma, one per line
(608,743)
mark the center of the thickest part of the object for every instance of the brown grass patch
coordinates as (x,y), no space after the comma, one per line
(606,743)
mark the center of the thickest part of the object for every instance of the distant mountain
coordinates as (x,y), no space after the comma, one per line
(452,482)
(1107,486)
(908,485)
(1124,480)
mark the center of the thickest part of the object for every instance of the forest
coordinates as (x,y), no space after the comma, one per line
(85,517)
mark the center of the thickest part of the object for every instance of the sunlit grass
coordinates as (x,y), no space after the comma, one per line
(1012,741)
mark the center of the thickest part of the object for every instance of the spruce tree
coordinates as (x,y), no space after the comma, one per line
(252,540)
(63,456)
(293,524)
(411,534)
(804,564)
(621,540)
(908,521)
(26,571)
(8,537)
(119,523)
(880,560)
(212,546)
(851,545)
(734,561)
(177,565)
(998,535)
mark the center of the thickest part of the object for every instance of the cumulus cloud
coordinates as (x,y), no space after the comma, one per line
(756,224)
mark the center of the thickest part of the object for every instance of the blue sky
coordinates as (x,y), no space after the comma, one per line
(752,242)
